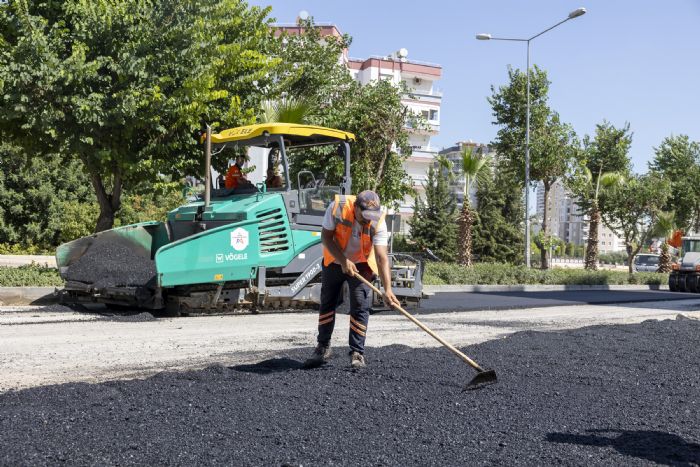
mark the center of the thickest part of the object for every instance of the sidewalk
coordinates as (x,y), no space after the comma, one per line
(14,261)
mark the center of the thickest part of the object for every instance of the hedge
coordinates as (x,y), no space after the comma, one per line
(29,276)
(505,274)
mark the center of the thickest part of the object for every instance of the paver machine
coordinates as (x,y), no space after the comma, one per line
(253,247)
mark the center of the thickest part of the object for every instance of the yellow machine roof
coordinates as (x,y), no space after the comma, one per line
(293,132)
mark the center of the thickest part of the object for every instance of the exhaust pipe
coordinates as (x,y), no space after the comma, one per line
(207,167)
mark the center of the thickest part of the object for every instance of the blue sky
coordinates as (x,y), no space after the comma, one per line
(624,61)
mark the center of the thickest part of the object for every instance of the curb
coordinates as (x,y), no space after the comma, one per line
(27,295)
(535,288)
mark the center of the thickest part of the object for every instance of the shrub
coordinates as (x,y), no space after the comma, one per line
(506,274)
(29,276)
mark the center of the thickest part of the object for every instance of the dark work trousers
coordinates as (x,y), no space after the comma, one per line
(332,280)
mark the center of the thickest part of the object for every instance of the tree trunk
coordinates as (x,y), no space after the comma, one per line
(544,258)
(630,257)
(466,220)
(664,259)
(380,170)
(591,262)
(109,203)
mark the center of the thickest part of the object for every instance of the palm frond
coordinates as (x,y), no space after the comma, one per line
(286,110)
(474,165)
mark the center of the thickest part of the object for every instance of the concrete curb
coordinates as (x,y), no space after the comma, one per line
(535,288)
(27,295)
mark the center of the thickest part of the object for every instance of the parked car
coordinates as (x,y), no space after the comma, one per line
(646,263)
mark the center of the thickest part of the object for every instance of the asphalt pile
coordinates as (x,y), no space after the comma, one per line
(604,395)
(113,263)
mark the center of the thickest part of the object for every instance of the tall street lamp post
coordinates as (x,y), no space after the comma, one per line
(487,37)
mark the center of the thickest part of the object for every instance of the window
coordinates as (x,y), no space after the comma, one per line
(433,115)
(425,114)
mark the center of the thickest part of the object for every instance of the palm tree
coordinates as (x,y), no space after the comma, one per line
(287,110)
(604,181)
(474,167)
(663,227)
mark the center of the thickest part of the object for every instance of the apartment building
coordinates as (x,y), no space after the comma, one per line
(423,99)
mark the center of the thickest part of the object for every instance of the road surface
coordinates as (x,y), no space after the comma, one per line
(53,344)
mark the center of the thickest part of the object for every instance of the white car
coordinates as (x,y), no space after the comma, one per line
(646,263)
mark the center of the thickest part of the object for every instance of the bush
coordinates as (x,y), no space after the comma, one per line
(19,249)
(506,274)
(29,276)
(617,257)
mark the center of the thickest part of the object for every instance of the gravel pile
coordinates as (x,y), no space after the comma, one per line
(113,263)
(607,395)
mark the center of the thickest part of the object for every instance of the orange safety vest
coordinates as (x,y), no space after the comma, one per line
(344,214)
(233,176)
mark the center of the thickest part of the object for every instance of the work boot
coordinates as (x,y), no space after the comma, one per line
(321,355)
(357,360)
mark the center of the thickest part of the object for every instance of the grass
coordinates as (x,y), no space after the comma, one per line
(29,276)
(505,274)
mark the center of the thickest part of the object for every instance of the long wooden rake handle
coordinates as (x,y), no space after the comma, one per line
(425,328)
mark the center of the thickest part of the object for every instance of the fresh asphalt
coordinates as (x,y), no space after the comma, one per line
(472,301)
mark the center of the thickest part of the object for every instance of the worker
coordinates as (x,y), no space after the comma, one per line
(235,176)
(273,179)
(355,237)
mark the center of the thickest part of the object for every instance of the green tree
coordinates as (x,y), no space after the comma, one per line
(474,167)
(663,227)
(553,145)
(312,73)
(43,200)
(120,85)
(633,208)
(498,226)
(603,163)
(433,224)
(678,160)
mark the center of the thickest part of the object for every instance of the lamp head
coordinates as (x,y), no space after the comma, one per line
(483,37)
(577,12)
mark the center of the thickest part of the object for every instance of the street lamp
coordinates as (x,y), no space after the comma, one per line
(487,37)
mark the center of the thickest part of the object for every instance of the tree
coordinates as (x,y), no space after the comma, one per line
(602,164)
(433,224)
(553,144)
(43,200)
(633,208)
(555,147)
(120,85)
(498,226)
(664,227)
(474,167)
(678,160)
(311,71)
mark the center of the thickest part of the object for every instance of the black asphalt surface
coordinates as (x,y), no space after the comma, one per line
(111,263)
(604,395)
(471,301)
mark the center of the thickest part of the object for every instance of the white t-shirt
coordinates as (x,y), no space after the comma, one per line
(352,249)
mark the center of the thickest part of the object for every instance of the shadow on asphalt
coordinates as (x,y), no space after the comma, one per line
(273,365)
(655,446)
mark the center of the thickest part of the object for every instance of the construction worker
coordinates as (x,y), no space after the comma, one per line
(235,176)
(355,238)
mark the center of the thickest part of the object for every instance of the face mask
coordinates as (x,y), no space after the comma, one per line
(372,215)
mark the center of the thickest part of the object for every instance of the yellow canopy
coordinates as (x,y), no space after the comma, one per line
(292,132)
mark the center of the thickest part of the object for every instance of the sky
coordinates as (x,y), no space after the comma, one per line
(635,61)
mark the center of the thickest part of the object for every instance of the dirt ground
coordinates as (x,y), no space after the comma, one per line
(51,345)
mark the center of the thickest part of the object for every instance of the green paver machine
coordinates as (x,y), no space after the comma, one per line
(252,247)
